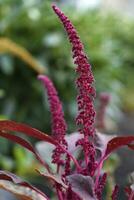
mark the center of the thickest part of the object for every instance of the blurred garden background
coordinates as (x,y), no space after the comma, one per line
(33,41)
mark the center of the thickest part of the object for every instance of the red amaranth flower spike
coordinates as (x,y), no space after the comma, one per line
(59,126)
(84,82)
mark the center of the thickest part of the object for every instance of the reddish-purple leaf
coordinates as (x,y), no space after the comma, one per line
(117,142)
(71,140)
(45,148)
(82,186)
(55,178)
(25,144)
(113,145)
(101,141)
(16,180)
(7,125)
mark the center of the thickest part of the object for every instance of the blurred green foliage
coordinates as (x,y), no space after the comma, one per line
(108,39)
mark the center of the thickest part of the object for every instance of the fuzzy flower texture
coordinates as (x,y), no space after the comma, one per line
(85,120)
(84,82)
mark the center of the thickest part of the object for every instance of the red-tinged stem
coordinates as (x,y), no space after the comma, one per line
(70,155)
(25,144)
(85,154)
(98,174)
(59,193)
(99,167)
(73,158)
(86,159)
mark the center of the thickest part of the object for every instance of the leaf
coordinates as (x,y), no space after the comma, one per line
(113,145)
(53,177)
(71,140)
(7,125)
(46,149)
(20,188)
(25,144)
(20,192)
(117,142)
(101,141)
(82,186)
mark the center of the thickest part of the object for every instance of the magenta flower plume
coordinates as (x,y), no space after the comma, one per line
(84,82)
(59,126)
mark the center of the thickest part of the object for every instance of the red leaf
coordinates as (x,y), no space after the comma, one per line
(25,144)
(55,178)
(7,125)
(117,142)
(82,186)
(112,145)
(16,180)
(101,141)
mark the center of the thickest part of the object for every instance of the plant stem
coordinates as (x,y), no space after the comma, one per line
(85,152)
(60,197)
(98,173)
(73,158)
